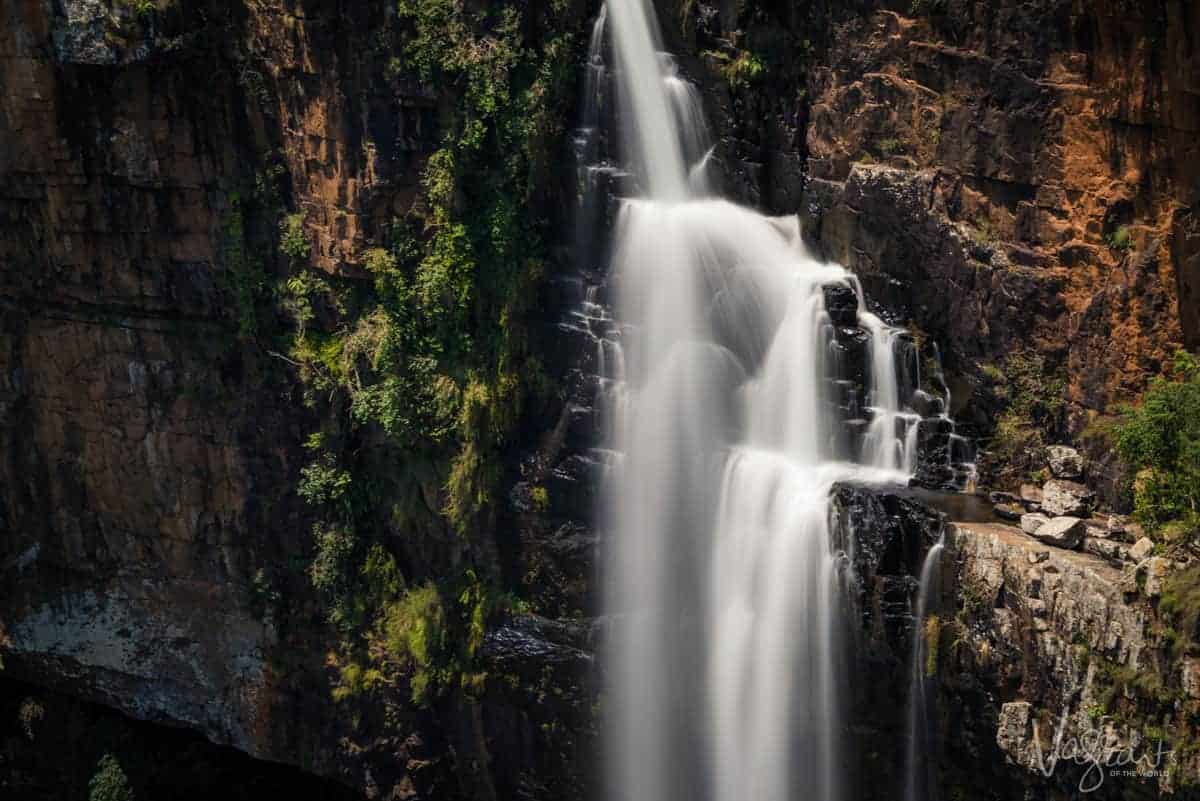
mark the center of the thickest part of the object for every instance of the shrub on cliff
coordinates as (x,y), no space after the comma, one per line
(1160,440)
(109,782)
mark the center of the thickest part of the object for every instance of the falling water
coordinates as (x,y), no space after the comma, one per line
(721,577)
(917,786)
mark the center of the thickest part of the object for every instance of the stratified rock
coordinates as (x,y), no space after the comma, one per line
(1064,462)
(1067,498)
(1014,730)
(1141,549)
(1031,522)
(1063,532)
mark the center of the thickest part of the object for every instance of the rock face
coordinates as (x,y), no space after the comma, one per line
(1051,643)
(969,147)
(153,547)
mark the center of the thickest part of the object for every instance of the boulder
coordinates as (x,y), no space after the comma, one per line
(1064,462)
(1063,532)
(1061,498)
(1031,494)
(1141,549)
(1031,522)
(1106,549)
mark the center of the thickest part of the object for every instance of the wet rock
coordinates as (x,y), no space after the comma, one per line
(841,303)
(1008,511)
(1141,549)
(926,405)
(1062,532)
(1067,498)
(1064,462)
(1031,522)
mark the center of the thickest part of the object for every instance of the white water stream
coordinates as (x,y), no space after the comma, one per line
(721,578)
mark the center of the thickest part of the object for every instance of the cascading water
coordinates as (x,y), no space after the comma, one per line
(721,578)
(917,785)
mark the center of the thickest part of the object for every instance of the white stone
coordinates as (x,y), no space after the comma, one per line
(1031,522)
(1064,462)
(1063,532)
(1066,498)
(1141,549)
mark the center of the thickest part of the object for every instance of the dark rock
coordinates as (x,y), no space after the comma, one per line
(841,303)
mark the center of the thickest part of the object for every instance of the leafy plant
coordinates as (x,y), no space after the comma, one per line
(293,240)
(109,782)
(1160,440)
(1121,239)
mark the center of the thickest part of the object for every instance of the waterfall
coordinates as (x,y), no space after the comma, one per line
(917,785)
(721,579)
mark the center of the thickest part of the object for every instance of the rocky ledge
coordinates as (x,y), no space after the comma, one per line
(1060,660)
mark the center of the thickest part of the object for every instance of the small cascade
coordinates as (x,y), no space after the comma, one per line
(920,782)
(947,459)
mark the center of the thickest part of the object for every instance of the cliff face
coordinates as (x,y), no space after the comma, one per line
(1007,178)
(154,547)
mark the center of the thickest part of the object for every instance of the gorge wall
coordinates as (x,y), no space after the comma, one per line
(1015,181)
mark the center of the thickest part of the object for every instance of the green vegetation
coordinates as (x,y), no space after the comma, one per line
(1033,400)
(932,633)
(1179,607)
(891,146)
(421,373)
(292,239)
(109,782)
(1120,239)
(739,71)
(1160,440)
(244,276)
